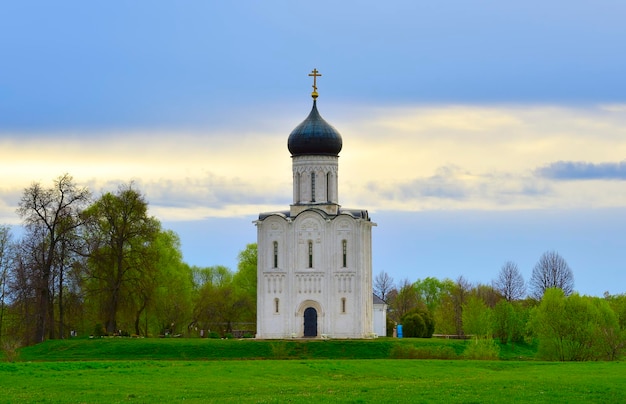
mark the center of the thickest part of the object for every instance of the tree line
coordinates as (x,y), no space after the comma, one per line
(565,325)
(104,266)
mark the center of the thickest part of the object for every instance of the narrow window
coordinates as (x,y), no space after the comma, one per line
(276,305)
(328,187)
(343,304)
(344,246)
(312,187)
(310,254)
(275,254)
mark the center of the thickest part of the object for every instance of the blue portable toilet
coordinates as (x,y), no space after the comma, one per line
(399,330)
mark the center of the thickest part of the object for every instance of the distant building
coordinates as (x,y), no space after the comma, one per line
(315,259)
(380,316)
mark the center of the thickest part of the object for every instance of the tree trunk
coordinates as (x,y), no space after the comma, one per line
(61,330)
(43,297)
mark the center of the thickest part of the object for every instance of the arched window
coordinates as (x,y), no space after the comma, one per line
(312,187)
(343,305)
(328,187)
(275,254)
(344,248)
(297,179)
(276,305)
(310,254)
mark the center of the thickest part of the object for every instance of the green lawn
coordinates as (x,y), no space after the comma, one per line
(279,381)
(194,370)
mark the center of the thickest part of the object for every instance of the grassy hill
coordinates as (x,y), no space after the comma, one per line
(83,349)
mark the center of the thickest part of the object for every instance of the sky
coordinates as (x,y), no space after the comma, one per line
(474,132)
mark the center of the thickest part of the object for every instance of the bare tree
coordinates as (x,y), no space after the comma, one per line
(460,293)
(551,271)
(5,244)
(383,284)
(405,300)
(510,282)
(51,215)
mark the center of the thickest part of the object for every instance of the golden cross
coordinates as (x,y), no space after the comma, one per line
(315,74)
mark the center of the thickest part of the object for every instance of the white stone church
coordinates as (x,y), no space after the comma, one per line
(315,259)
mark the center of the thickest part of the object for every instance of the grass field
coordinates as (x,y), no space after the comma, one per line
(158,370)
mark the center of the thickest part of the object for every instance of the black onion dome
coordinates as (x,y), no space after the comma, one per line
(314,136)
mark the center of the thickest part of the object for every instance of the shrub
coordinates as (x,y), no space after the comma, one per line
(279,350)
(214,335)
(482,349)
(10,347)
(418,323)
(99,331)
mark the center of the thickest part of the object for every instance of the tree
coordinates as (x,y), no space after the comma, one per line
(551,271)
(430,291)
(171,302)
(509,321)
(477,318)
(51,217)
(510,282)
(122,253)
(383,284)
(245,282)
(575,328)
(404,301)
(5,251)
(418,323)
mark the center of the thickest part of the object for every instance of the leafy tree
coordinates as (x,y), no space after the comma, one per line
(477,318)
(51,217)
(122,254)
(245,281)
(610,338)
(383,284)
(218,275)
(171,301)
(551,271)
(510,282)
(509,321)
(431,291)
(575,328)
(218,306)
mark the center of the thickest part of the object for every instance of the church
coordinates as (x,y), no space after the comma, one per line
(314,273)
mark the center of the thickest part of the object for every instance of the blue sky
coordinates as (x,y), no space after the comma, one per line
(474,132)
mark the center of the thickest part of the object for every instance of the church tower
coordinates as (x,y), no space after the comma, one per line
(314,273)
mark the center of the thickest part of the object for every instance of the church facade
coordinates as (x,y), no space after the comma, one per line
(314,274)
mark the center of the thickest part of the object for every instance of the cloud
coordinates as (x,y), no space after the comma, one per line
(404,158)
(576,170)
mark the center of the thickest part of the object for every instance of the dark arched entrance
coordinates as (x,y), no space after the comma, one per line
(310,322)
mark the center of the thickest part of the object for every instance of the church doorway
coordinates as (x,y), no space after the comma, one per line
(310,322)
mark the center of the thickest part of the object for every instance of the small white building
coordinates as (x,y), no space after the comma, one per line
(380,316)
(315,259)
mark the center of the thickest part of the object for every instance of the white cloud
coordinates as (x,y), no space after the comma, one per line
(405,158)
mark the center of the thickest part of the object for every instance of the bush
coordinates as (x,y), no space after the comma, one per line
(10,348)
(418,323)
(482,349)
(576,328)
(99,331)
(279,350)
(214,335)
